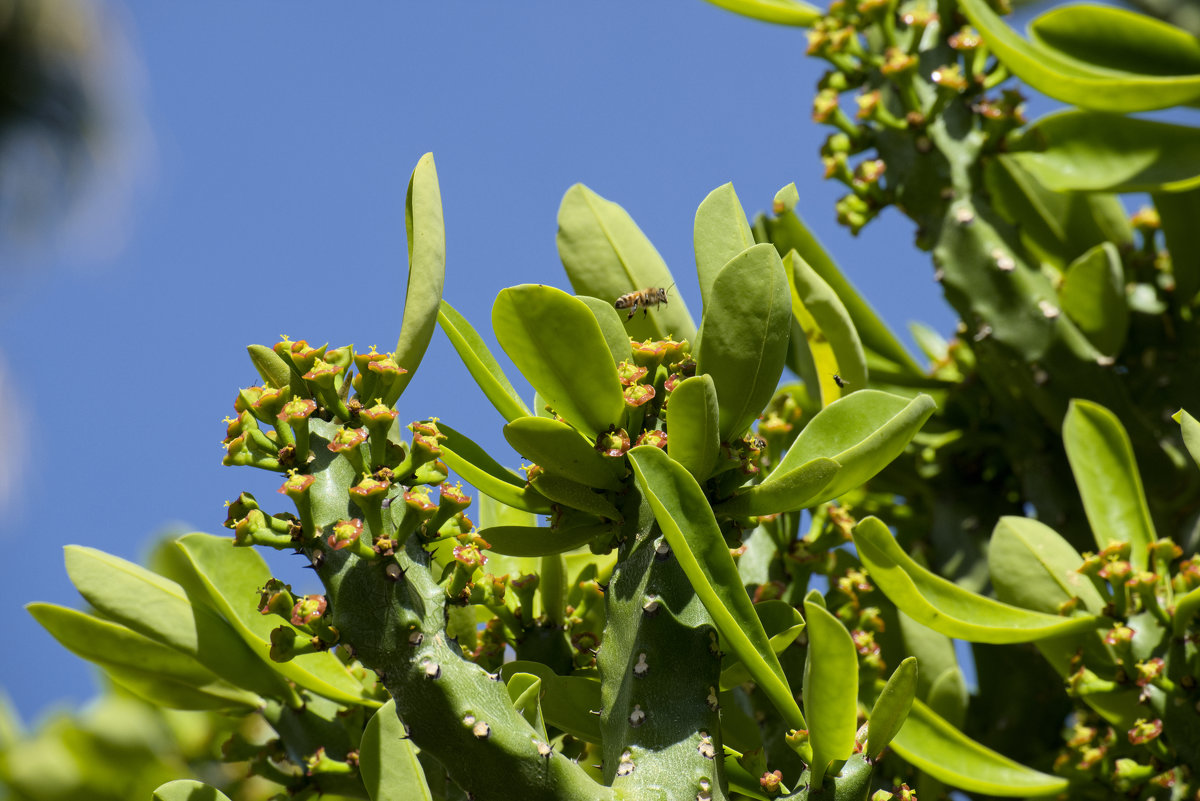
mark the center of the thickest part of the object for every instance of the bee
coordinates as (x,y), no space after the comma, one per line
(841,382)
(645,298)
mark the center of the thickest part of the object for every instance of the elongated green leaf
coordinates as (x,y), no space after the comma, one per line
(798,488)
(782,623)
(1178,212)
(891,707)
(188,790)
(573,495)
(933,650)
(481,364)
(780,12)
(568,702)
(426,270)
(788,232)
(1093,151)
(828,330)
(388,762)
(720,233)
(273,370)
(541,540)
(231,578)
(171,693)
(1076,82)
(948,697)
(555,341)
(691,530)
(1093,296)
(1118,39)
(944,606)
(744,337)
(693,440)
(862,432)
(1110,486)
(830,689)
(1191,433)
(561,449)
(112,645)
(159,609)
(1034,567)
(487,475)
(525,690)
(942,751)
(612,326)
(606,256)
(1185,610)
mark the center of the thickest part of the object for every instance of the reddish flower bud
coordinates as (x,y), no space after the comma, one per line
(653,437)
(1150,670)
(296,485)
(1144,731)
(347,438)
(1119,634)
(468,556)
(369,489)
(613,443)
(378,415)
(297,409)
(417,499)
(308,609)
(629,373)
(345,533)
(770,781)
(637,395)
(966,39)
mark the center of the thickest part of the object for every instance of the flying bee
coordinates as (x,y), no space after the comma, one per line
(841,382)
(643,298)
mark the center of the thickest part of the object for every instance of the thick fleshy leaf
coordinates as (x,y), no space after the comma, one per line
(1093,151)
(799,488)
(560,449)
(948,697)
(160,609)
(188,790)
(1185,610)
(788,232)
(944,606)
(781,12)
(1178,212)
(1093,296)
(693,439)
(525,690)
(556,343)
(1034,567)
(691,530)
(934,746)
(830,689)
(744,337)
(863,432)
(1118,39)
(426,270)
(933,650)
(1071,81)
(836,349)
(231,578)
(1110,486)
(481,364)
(388,762)
(112,645)
(572,495)
(720,233)
(891,707)
(487,475)
(273,370)
(606,256)
(568,702)
(782,623)
(541,540)
(611,326)
(1190,428)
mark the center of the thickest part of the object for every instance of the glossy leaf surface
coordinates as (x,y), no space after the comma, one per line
(387,760)
(694,440)
(487,475)
(612,326)
(829,332)
(1034,567)
(1191,433)
(561,449)
(744,337)
(567,701)
(830,689)
(1110,485)
(720,233)
(944,606)
(481,364)
(798,488)
(1118,39)
(188,790)
(1093,296)
(540,540)
(556,343)
(891,707)
(525,690)
(780,12)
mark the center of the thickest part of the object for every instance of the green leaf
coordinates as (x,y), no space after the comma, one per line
(694,441)
(744,337)
(780,12)
(788,232)
(1178,212)
(160,609)
(830,689)
(541,540)
(798,488)
(1034,567)
(1093,296)
(934,746)
(891,707)
(1093,151)
(863,432)
(426,271)
(181,678)
(612,327)
(933,650)
(944,606)
(573,495)
(1185,609)
(782,623)
(561,449)
(691,530)
(1117,39)
(948,697)
(273,370)
(567,701)
(1071,81)
(487,475)
(481,364)
(387,760)
(525,690)
(828,330)
(720,233)
(188,790)
(1191,433)
(555,341)
(1110,486)
(606,256)
(231,578)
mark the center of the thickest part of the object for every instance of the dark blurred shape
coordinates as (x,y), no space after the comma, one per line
(1183,13)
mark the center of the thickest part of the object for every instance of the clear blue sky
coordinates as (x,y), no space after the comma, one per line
(282,138)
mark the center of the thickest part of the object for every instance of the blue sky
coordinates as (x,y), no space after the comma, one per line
(280,141)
